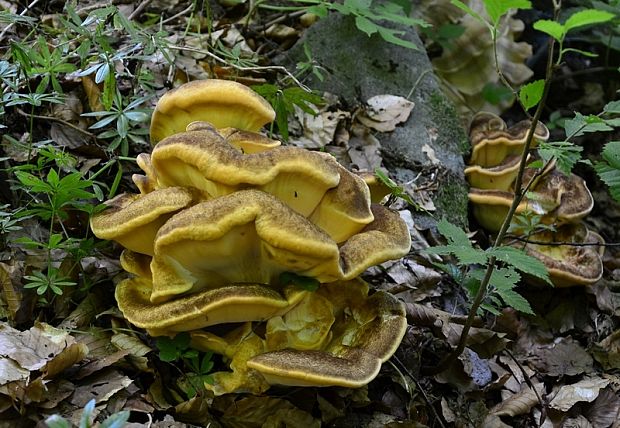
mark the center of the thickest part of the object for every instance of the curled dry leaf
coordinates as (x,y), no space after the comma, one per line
(11,295)
(585,390)
(364,149)
(316,130)
(519,403)
(384,112)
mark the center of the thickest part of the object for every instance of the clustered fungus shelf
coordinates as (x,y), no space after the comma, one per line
(222,213)
(561,201)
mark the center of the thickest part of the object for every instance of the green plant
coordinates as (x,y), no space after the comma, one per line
(367,16)
(116,420)
(198,365)
(284,101)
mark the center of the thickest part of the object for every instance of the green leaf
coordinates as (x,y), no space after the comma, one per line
(117,420)
(496,93)
(458,244)
(305,282)
(612,107)
(497,8)
(57,421)
(515,300)
(581,124)
(390,36)
(521,261)
(366,25)
(554,29)
(566,154)
(579,51)
(531,93)
(470,12)
(609,170)
(587,17)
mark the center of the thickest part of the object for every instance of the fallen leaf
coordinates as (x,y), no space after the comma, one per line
(101,387)
(264,412)
(383,112)
(316,131)
(520,403)
(605,410)
(69,356)
(563,357)
(585,390)
(364,149)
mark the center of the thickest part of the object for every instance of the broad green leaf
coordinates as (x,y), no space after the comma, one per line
(531,93)
(57,421)
(581,124)
(366,25)
(390,36)
(554,29)
(117,420)
(496,93)
(612,107)
(611,177)
(497,8)
(521,261)
(611,153)
(587,17)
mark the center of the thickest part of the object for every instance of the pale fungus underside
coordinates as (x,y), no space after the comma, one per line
(222,213)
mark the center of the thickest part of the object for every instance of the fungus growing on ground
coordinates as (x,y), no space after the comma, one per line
(223,103)
(569,265)
(559,200)
(224,212)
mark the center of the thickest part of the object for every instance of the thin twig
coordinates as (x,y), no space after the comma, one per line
(280,19)
(178,15)
(241,68)
(138,10)
(23,12)
(560,243)
(419,387)
(55,119)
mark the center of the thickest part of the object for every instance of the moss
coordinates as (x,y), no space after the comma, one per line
(444,115)
(451,199)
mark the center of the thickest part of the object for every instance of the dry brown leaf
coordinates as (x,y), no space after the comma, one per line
(101,387)
(520,403)
(585,390)
(93,94)
(563,357)
(101,363)
(32,349)
(484,342)
(578,422)
(10,371)
(493,421)
(84,313)
(364,149)
(69,356)
(605,410)
(266,412)
(11,294)
(384,112)
(316,131)
(607,352)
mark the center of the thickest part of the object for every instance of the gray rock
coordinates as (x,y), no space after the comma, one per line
(358,67)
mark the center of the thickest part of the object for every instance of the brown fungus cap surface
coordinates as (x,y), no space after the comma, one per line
(569,265)
(351,360)
(203,159)
(133,220)
(230,304)
(492,141)
(223,103)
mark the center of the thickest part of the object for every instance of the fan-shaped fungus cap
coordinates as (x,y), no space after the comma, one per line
(492,142)
(251,236)
(569,265)
(498,177)
(250,302)
(203,159)
(570,193)
(491,206)
(351,360)
(145,183)
(133,220)
(248,142)
(223,103)
(378,189)
(247,236)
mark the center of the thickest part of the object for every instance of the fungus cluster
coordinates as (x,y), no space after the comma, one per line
(560,200)
(224,217)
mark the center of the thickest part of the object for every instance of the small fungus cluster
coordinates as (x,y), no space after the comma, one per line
(224,217)
(560,200)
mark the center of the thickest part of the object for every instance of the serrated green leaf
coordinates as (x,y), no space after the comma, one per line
(531,94)
(497,8)
(611,177)
(611,153)
(521,261)
(587,17)
(566,154)
(554,29)
(515,300)
(390,36)
(458,244)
